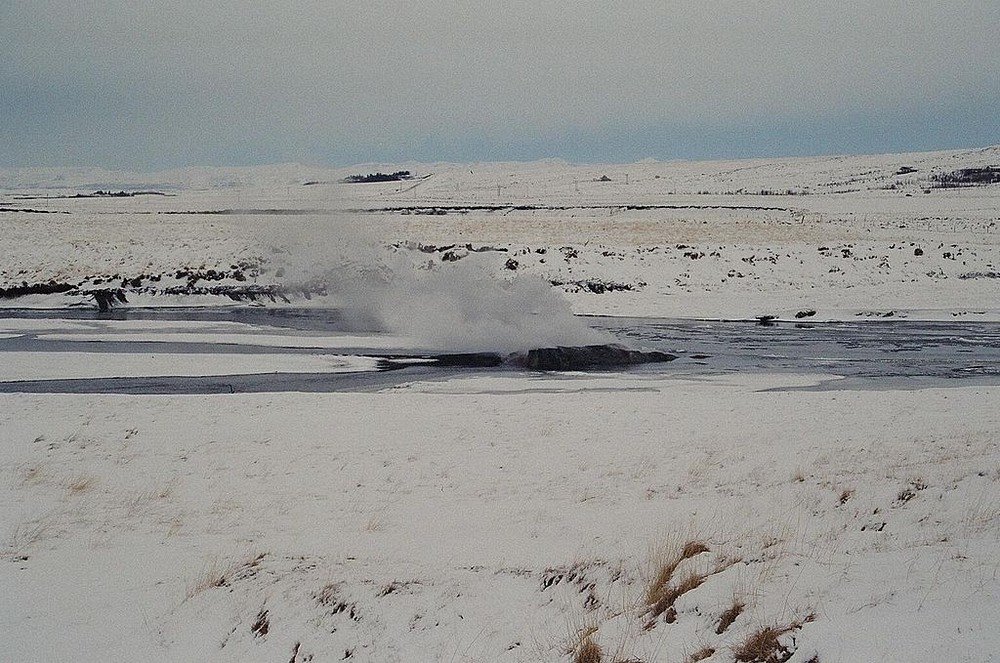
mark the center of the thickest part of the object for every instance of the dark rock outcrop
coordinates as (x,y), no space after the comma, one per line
(561,358)
(587,357)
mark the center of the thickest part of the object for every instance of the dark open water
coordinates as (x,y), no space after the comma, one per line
(869,354)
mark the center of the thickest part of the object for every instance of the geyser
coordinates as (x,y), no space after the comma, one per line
(447,306)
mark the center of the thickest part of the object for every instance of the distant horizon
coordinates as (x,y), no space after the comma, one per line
(386,163)
(176,84)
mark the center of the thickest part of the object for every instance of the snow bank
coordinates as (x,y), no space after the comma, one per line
(491,518)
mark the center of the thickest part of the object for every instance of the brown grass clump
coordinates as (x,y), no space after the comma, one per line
(764,645)
(665,570)
(221,574)
(701,654)
(692,548)
(588,652)
(585,650)
(665,605)
(663,592)
(729,616)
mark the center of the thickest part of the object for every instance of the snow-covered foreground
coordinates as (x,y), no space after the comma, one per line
(495,518)
(510,516)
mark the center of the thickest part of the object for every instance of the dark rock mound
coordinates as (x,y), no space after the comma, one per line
(587,357)
(562,358)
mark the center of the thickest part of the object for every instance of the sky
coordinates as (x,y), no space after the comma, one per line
(153,85)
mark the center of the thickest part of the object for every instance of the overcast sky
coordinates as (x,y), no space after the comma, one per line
(148,85)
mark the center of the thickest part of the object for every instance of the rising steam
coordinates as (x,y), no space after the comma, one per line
(457,306)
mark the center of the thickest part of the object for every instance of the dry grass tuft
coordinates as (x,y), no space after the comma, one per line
(692,548)
(729,616)
(80,484)
(666,567)
(701,654)
(213,576)
(328,594)
(221,574)
(262,625)
(664,591)
(765,646)
(665,605)
(588,652)
(25,536)
(329,597)
(908,493)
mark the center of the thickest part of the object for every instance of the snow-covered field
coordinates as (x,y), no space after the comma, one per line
(509,516)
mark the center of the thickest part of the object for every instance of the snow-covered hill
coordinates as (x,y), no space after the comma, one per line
(843,236)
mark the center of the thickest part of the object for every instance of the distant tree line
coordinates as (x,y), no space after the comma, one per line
(398,176)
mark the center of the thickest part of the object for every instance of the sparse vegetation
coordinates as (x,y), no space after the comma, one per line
(24,536)
(262,624)
(588,652)
(80,484)
(661,594)
(701,654)
(329,597)
(221,573)
(765,646)
(908,493)
(729,616)
(669,595)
